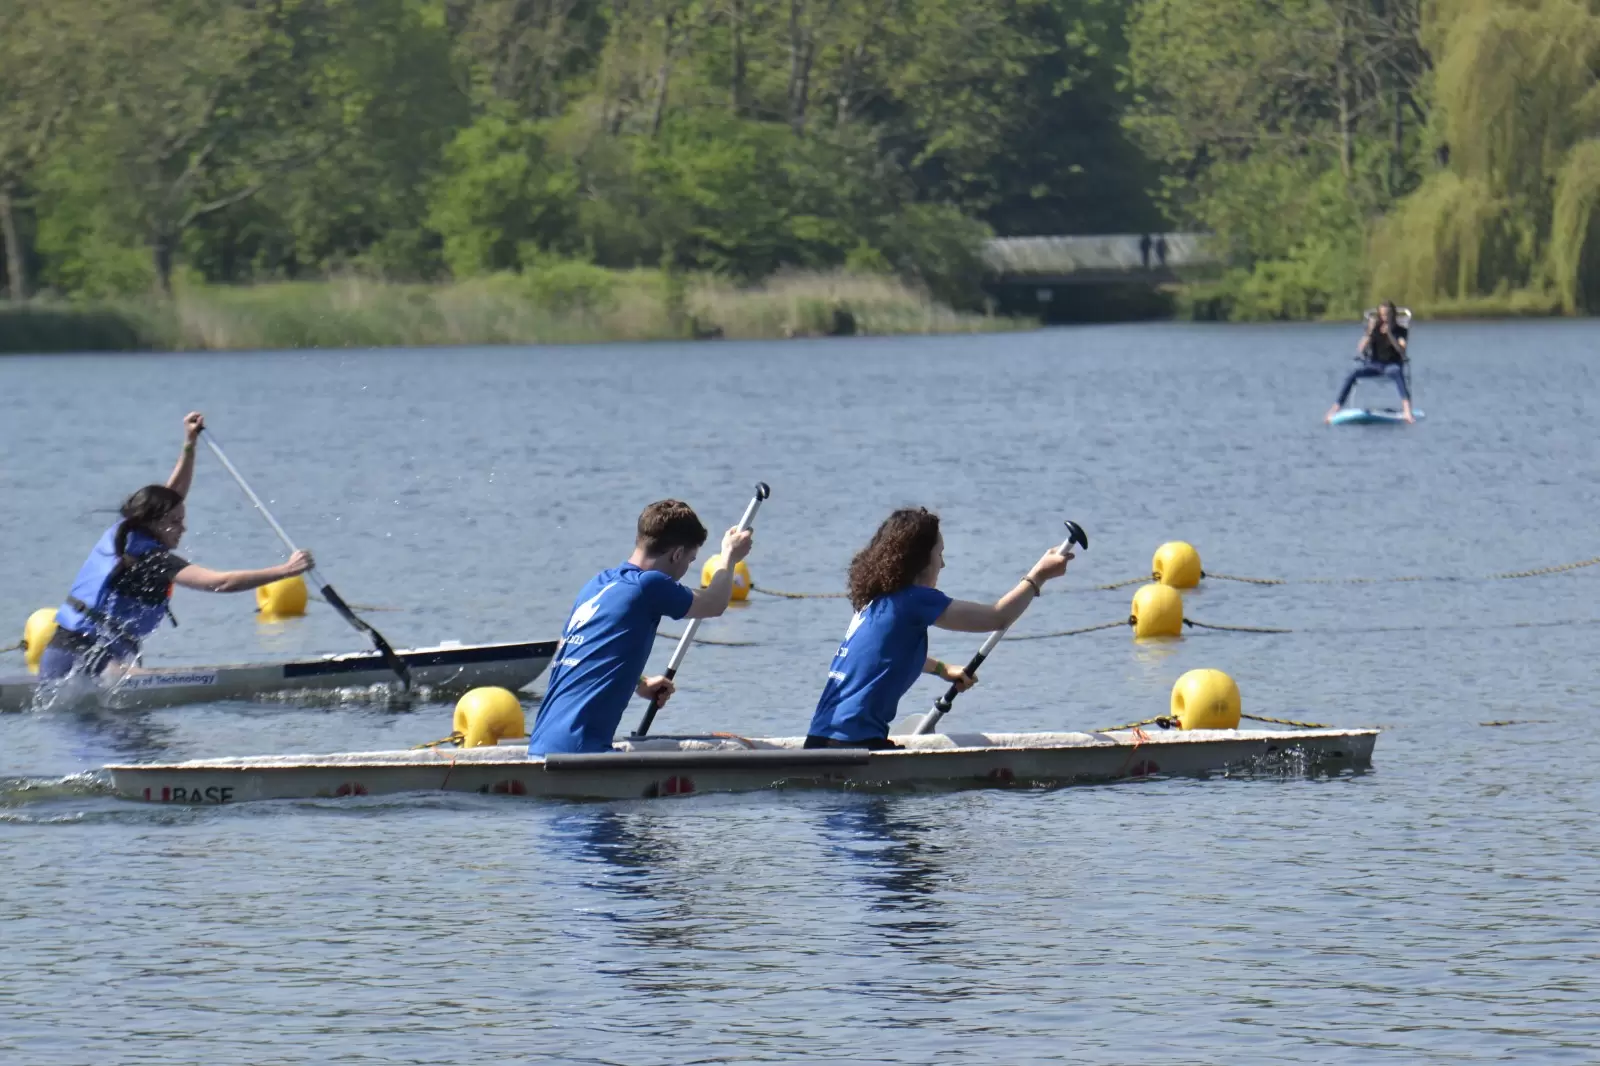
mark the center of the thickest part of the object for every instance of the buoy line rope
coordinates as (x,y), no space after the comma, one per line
(1286,721)
(799,595)
(1233,629)
(455,739)
(1070,632)
(1507,575)
(1167,721)
(18,646)
(710,640)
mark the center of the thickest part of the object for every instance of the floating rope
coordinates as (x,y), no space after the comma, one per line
(711,640)
(800,595)
(1070,632)
(1508,575)
(1165,721)
(18,646)
(1286,721)
(454,739)
(1517,721)
(1233,629)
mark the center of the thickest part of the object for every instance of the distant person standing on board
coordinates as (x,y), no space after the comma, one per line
(894,587)
(1383,355)
(121,592)
(1161,249)
(606,643)
(1144,250)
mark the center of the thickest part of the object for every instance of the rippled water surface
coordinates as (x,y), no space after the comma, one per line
(1439,908)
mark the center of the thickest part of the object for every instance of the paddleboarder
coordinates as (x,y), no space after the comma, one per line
(607,639)
(1383,354)
(894,588)
(121,593)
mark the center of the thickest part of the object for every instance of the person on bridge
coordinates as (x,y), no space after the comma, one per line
(601,658)
(1383,354)
(121,592)
(894,587)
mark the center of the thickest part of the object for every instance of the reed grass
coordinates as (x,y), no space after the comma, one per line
(562,304)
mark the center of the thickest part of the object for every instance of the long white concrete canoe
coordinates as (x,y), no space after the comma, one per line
(678,766)
(445,670)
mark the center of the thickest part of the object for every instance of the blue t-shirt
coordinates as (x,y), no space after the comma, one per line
(884,650)
(603,651)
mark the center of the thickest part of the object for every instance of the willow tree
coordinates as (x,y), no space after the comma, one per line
(1516,104)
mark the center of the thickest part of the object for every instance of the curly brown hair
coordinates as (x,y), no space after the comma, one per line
(899,551)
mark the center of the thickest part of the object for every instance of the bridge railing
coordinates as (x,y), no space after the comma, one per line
(1130,253)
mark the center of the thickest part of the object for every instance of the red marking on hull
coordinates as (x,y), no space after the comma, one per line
(1144,768)
(1002,774)
(353,788)
(509,788)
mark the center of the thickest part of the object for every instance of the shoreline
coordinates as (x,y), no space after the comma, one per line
(569,306)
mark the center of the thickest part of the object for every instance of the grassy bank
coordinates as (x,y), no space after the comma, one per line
(566,303)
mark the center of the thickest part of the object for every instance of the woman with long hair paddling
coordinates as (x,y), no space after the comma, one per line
(894,588)
(120,595)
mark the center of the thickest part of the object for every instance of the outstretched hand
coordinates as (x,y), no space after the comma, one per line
(193,423)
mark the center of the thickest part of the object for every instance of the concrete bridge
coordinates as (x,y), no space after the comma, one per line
(1047,262)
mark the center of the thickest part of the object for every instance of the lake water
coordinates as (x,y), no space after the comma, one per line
(1439,908)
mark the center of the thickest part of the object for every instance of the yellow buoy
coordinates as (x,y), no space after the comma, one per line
(36,633)
(1206,699)
(485,715)
(1176,564)
(1157,612)
(282,599)
(741,576)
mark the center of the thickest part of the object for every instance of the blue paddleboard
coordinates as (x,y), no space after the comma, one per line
(1361,416)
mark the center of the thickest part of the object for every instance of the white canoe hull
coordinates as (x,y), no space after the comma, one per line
(444,670)
(684,766)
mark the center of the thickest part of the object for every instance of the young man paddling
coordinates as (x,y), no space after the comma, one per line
(894,589)
(607,639)
(121,592)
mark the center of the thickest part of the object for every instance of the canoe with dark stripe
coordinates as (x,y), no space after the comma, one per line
(444,670)
(681,766)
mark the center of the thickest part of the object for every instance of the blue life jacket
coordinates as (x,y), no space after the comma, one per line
(110,610)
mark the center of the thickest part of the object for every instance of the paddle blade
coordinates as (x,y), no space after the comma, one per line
(391,659)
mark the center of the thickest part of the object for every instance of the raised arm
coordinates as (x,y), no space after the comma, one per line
(712,600)
(203,580)
(183,474)
(965,616)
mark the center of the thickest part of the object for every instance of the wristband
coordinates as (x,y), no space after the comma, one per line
(938,668)
(1037,591)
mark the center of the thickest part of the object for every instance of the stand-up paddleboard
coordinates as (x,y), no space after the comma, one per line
(1361,416)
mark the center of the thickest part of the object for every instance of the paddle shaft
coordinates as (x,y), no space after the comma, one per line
(390,658)
(941,706)
(762,492)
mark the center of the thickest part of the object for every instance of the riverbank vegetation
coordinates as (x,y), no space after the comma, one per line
(474,170)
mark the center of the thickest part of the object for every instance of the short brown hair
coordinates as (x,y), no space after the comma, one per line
(668,524)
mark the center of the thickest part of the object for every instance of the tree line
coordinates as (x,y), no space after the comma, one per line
(1432,149)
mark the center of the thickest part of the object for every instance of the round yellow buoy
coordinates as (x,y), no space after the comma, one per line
(1176,564)
(741,576)
(1157,612)
(282,599)
(485,715)
(36,633)
(1206,699)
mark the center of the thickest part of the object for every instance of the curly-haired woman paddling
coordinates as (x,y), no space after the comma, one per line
(894,589)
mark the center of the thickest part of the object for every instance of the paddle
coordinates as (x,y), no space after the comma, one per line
(390,658)
(762,492)
(941,706)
